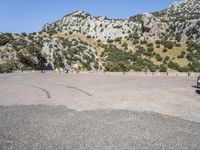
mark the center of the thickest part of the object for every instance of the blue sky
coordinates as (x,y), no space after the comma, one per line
(30,15)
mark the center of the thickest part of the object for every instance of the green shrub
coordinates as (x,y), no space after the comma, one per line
(150,45)
(149,54)
(121,66)
(87,66)
(166,58)
(5,38)
(24,34)
(96,66)
(173,65)
(58,62)
(164,50)
(135,41)
(134,36)
(140,50)
(52,32)
(163,68)
(118,39)
(178,37)
(152,68)
(157,46)
(89,37)
(143,42)
(182,55)
(150,49)
(158,57)
(66,42)
(184,69)
(169,44)
(26,60)
(110,41)
(5,68)
(178,45)
(189,49)
(190,56)
(124,44)
(158,42)
(194,66)
(137,67)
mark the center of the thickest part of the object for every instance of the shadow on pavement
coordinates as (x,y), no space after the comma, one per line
(197,89)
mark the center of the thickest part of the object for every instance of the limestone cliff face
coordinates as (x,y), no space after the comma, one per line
(100,28)
(152,27)
(80,38)
(183,18)
(179,18)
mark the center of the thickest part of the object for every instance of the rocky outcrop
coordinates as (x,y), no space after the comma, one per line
(7,52)
(183,18)
(100,28)
(74,52)
(152,27)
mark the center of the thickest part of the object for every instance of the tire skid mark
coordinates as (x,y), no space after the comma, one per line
(42,89)
(72,87)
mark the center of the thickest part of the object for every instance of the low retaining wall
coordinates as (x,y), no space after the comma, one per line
(171,74)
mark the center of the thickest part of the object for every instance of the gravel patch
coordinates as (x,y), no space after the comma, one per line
(39,127)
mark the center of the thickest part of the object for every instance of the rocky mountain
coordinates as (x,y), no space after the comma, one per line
(100,28)
(167,40)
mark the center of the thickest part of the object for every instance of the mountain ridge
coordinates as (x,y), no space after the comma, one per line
(167,40)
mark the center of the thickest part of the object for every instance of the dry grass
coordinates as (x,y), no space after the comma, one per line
(174,53)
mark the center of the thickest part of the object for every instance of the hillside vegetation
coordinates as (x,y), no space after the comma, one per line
(168,40)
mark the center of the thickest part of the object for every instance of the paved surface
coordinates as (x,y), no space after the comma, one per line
(174,96)
(98,112)
(58,128)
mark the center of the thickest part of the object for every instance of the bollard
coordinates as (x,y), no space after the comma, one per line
(188,74)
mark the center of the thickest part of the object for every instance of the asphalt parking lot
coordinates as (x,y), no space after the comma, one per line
(97,111)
